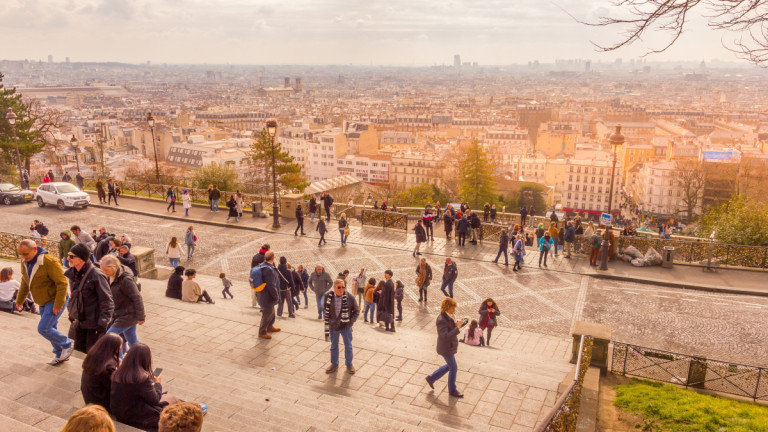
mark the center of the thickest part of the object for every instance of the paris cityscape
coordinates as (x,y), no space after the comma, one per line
(168,213)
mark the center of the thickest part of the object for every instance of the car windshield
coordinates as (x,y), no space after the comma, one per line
(7,187)
(67,188)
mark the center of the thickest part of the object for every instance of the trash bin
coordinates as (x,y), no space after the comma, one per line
(668,256)
(256,209)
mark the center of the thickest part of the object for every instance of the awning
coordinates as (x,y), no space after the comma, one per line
(331,184)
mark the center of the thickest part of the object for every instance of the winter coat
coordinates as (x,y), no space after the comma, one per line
(299,214)
(570,234)
(284,276)
(448,222)
(421,234)
(450,273)
(546,243)
(475,221)
(129,261)
(270,295)
(186,201)
(98,305)
(386,302)
(65,244)
(503,241)
(173,290)
(493,212)
(189,238)
(137,405)
(447,335)
(215,194)
(428,271)
(44,278)
(258,258)
(304,278)
(102,248)
(327,201)
(298,285)
(320,284)
(232,204)
(96,388)
(129,306)
(462,227)
(313,205)
(485,315)
(334,319)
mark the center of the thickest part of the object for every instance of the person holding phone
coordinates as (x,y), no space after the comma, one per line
(448,329)
(489,310)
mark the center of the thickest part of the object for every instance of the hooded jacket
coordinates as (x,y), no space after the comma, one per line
(65,244)
(44,277)
(129,306)
(284,277)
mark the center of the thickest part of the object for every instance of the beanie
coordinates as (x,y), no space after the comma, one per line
(81,251)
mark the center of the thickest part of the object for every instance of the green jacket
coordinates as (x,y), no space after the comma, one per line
(65,244)
(48,283)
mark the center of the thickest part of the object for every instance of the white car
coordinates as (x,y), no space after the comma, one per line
(62,195)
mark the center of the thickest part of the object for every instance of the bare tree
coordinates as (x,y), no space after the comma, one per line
(752,179)
(690,176)
(746,19)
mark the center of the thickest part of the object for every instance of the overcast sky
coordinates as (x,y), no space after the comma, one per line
(362,32)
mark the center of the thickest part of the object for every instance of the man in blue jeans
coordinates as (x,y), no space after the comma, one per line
(320,282)
(341,311)
(450,273)
(43,276)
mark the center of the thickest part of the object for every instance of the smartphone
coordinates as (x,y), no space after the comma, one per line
(465,320)
(158,371)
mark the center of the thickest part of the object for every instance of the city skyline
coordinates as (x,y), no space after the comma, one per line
(328,32)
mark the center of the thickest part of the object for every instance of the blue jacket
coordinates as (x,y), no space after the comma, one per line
(543,241)
(462,225)
(270,295)
(570,234)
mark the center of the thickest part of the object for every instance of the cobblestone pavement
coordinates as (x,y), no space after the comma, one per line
(544,302)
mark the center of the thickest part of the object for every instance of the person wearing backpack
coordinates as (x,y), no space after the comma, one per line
(263,280)
(595,242)
(190,239)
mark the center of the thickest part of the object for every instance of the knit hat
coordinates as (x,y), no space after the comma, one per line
(81,251)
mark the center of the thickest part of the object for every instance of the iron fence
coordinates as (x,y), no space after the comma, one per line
(690,371)
(385,219)
(563,416)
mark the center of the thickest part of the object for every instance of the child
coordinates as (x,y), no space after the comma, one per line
(227,285)
(399,294)
(474,335)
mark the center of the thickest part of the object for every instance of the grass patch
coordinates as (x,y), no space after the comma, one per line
(665,407)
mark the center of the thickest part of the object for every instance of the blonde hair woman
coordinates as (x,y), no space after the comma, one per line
(448,329)
(91,418)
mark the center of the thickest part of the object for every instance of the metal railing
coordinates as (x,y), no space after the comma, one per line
(563,416)
(690,371)
(384,219)
(9,243)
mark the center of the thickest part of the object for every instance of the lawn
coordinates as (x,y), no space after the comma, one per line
(665,407)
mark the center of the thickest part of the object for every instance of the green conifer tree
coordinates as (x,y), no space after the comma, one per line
(30,138)
(288,172)
(476,178)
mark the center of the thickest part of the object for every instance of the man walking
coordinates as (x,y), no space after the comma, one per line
(421,237)
(80,237)
(299,220)
(327,202)
(341,312)
(92,305)
(111,192)
(269,294)
(80,180)
(450,273)
(320,282)
(43,276)
(569,238)
(503,246)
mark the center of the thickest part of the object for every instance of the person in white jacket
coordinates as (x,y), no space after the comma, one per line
(186,202)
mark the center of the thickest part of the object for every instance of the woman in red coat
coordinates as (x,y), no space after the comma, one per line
(488,313)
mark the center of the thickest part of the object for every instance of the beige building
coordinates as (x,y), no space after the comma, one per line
(410,168)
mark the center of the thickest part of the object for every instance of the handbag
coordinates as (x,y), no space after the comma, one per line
(76,307)
(346,230)
(169,199)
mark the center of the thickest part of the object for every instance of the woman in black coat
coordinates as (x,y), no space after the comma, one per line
(174,283)
(136,397)
(448,222)
(129,306)
(448,329)
(385,307)
(98,367)
(489,310)
(232,204)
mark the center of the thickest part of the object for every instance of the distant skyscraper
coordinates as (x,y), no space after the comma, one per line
(50,58)
(67,60)
(457,61)
(587,65)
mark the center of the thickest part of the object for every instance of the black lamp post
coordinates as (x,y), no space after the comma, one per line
(73,141)
(11,117)
(272,131)
(151,123)
(617,139)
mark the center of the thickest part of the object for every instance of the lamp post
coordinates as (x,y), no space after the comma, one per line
(74,145)
(151,123)
(617,139)
(11,117)
(272,131)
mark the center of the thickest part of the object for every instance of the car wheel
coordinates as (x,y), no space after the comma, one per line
(40,202)
(7,200)
(60,205)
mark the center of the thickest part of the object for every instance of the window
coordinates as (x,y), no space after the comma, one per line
(669,192)
(569,195)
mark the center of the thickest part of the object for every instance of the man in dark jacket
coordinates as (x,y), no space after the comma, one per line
(111,193)
(298,287)
(269,296)
(102,248)
(40,228)
(386,305)
(503,246)
(92,306)
(341,311)
(215,197)
(299,220)
(285,279)
(320,282)
(327,202)
(129,306)
(570,237)
(461,230)
(523,215)
(421,237)
(450,273)
(259,257)
(476,225)
(304,283)
(80,180)
(312,208)
(127,259)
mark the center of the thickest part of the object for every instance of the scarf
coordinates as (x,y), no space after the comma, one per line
(422,274)
(343,316)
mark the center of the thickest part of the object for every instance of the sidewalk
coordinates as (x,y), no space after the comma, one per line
(681,276)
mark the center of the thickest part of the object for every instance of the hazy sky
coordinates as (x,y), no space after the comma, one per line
(394,32)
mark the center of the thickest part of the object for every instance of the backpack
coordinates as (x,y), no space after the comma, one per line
(594,241)
(257,282)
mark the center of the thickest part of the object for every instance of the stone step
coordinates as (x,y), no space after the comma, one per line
(11,425)
(33,418)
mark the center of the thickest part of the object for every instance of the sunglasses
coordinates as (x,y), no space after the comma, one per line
(71,256)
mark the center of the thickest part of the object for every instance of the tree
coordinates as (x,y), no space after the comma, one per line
(420,195)
(476,178)
(744,18)
(690,177)
(223,176)
(31,134)
(531,195)
(739,220)
(288,173)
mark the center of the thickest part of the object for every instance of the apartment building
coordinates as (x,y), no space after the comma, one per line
(411,168)
(323,153)
(368,168)
(557,139)
(587,184)
(658,192)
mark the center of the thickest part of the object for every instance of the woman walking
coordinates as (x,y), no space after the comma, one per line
(423,278)
(343,228)
(370,305)
(129,306)
(488,313)
(186,202)
(232,205)
(448,222)
(173,252)
(360,285)
(190,240)
(240,203)
(545,245)
(518,252)
(170,198)
(448,329)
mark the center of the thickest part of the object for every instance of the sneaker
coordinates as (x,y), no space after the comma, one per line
(332,368)
(54,361)
(273,329)
(66,352)
(351,369)
(457,395)
(204,408)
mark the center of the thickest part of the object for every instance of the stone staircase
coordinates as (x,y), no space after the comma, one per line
(210,354)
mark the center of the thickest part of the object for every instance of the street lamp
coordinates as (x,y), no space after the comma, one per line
(74,145)
(11,117)
(617,139)
(151,123)
(272,131)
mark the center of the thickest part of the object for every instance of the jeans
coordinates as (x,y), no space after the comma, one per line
(190,251)
(369,306)
(343,237)
(174,262)
(48,328)
(504,251)
(449,293)
(429,230)
(345,334)
(312,216)
(328,214)
(449,367)
(215,205)
(128,332)
(319,298)
(306,302)
(111,197)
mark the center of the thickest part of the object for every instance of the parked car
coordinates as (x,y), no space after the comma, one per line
(10,193)
(62,195)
